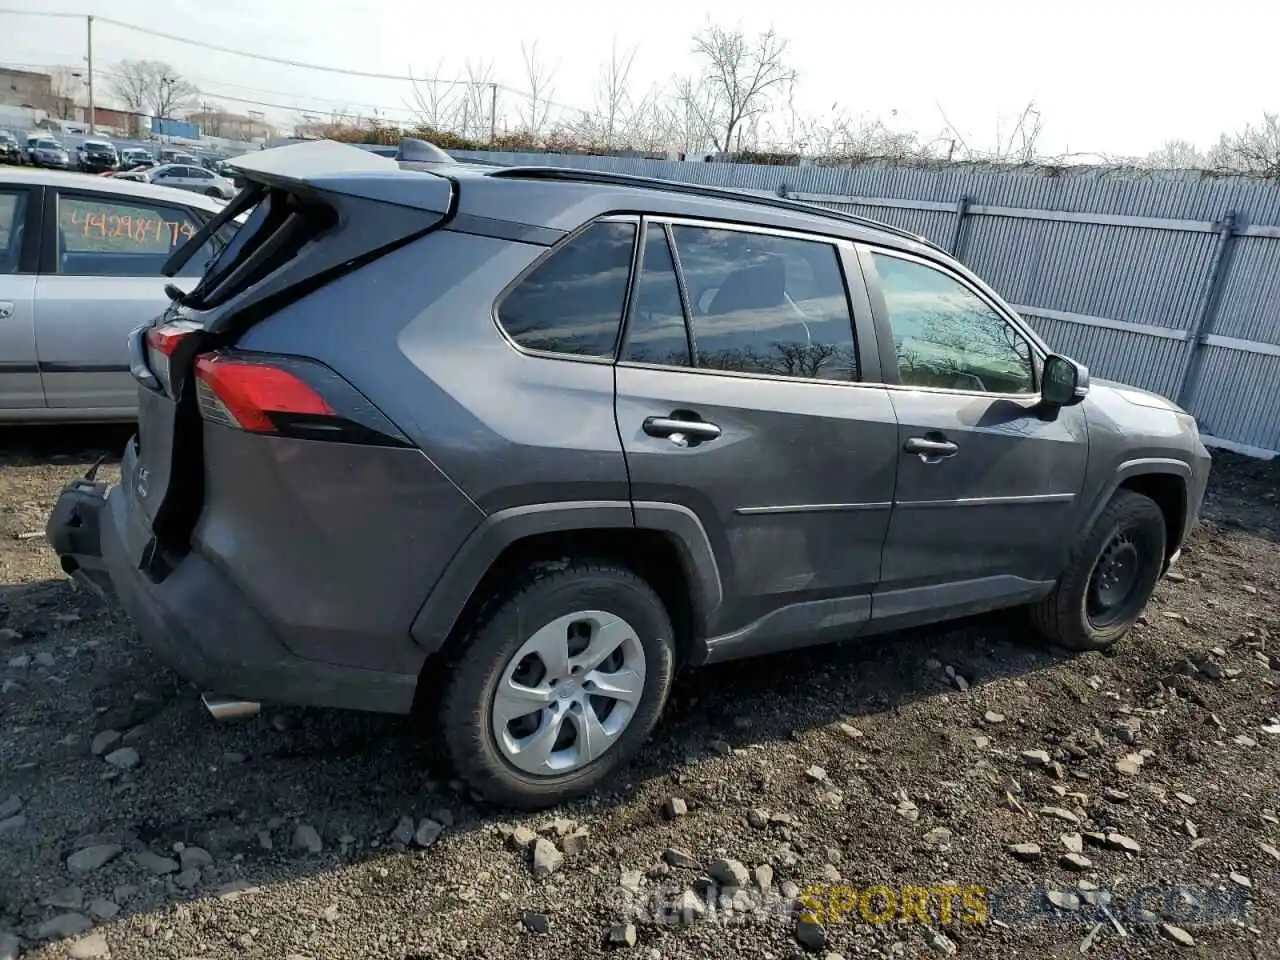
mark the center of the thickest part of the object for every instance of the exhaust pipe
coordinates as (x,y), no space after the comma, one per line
(229,708)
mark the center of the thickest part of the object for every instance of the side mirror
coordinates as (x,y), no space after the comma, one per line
(1064,382)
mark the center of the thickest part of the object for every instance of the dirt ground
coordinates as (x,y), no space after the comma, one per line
(1148,781)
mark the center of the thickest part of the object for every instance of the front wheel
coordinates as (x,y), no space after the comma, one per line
(558,684)
(1109,578)
(213,192)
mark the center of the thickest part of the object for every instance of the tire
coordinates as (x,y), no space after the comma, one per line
(531,608)
(1131,530)
(213,192)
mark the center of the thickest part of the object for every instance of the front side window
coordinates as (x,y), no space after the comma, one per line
(572,301)
(104,237)
(947,336)
(13,211)
(766,304)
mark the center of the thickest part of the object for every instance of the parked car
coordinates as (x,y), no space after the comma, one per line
(47,152)
(80,262)
(10,149)
(514,444)
(188,177)
(139,174)
(97,156)
(131,158)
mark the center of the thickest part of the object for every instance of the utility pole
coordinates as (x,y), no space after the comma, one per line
(493,114)
(93,120)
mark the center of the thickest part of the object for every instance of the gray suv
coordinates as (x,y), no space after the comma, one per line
(513,445)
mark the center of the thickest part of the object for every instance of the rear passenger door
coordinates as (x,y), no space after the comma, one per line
(19,374)
(100,279)
(745,395)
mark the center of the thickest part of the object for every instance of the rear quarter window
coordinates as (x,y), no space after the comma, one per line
(572,302)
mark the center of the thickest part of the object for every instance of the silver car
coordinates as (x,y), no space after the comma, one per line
(197,179)
(80,261)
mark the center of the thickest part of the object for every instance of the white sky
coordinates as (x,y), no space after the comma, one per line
(1109,76)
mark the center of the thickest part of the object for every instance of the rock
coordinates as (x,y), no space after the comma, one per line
(1118,841)
(195,858)
(722,747)
(305,838)
(156,864)
(683,859)
(1270,851)
(187,879)
(762,876)
(940,943)
(233,757)
(1186,798)
(1240,880)
(1113,795)
(758,818)
(729,873)
(428,832)
(1173,576)
(1026,852)
(1075,861)
(674,807)
(961,683)
(9,946)
(126,758)
(1129,765)
(560,827)
(103,742)
(1073,842)
(1060,813)
(938,837)
(521,838)
(622,935)
(535,922)
(64,925)
(44,659)
(1177,935)
(91,858)
(20,662)
(933,664)
(92,947)
(1035,758)
(546,858)
(576,842)
(810,934)
(9,635)
(992,717)
(16,822)
(10,807)
(1189,825)
(69,898)
(687,908)
(1213,670)
(103,909)
(631,881)
(906,807)
(1064,899)
(816,774)
(403,832)
(849,730)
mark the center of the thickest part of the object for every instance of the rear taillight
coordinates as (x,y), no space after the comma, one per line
(162,343)
(251,395)
(287,396)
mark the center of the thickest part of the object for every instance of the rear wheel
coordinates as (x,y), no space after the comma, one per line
(1109,578)
(561,680)
(213,192)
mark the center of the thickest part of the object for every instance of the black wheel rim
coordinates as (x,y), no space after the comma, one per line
(1115,586)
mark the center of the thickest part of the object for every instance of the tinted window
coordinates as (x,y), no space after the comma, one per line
(656,331)
(947,336)
(767,304)
(13,208)
(572,302)
(103,237)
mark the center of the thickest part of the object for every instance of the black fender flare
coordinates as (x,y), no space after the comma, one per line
(1134,468)
(439,614)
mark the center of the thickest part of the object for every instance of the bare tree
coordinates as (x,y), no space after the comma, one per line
(538,76)
(1175,155)
(151,86)
(1254,150)
(613,98)
(436,100)
(739,77)
(1019,146)
(64,91)
(477,114)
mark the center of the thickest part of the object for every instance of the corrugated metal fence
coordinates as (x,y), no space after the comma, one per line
(1167,283)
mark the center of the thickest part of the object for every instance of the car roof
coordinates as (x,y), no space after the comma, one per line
(126,188)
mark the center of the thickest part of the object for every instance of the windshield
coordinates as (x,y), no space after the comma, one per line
(48,145)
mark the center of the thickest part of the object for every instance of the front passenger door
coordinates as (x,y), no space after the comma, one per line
(987,478)
(103,280)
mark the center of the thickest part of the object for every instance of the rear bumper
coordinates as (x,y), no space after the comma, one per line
(196,619)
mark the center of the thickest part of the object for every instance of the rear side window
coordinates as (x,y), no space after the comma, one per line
(767,304)
(104,237)
(572,302)
(656,331)
(13,208)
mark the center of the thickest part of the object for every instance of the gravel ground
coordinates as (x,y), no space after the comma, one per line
(1123,805)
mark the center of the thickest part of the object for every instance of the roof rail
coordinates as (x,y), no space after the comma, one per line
(570,174)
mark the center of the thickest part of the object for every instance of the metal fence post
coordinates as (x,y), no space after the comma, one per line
(1193,354)
(957,235)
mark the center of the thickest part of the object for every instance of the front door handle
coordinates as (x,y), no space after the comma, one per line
(681,432)
(6,309)
(931,451)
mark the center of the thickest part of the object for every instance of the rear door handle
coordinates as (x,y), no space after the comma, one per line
(681,432)
(931,451)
